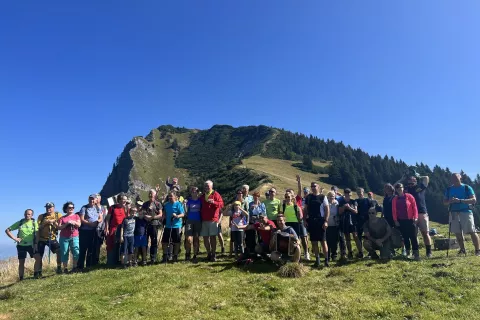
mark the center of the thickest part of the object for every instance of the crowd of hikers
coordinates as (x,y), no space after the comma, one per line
(273,229)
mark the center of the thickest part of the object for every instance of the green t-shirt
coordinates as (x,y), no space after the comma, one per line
(290,215)
(26,230)
(272,207)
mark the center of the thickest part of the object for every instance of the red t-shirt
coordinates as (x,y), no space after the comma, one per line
(69,231)
(299,201)
(265,235)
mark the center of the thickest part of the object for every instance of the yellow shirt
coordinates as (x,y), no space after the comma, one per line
(208,194)
(44,229)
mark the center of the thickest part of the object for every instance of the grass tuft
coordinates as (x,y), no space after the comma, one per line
(292,270)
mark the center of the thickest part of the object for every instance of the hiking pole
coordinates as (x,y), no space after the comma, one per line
(170,249)
(449,230)
(49,243)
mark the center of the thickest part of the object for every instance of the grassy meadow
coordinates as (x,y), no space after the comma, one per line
(436,288)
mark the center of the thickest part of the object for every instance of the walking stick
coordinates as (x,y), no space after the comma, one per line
(49,243)
(449,230)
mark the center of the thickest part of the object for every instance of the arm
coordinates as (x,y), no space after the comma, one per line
(8,231)
(387,235)
(62,225)
(394,209)
(245,214)
(424,180)
(327,215)
(299,186)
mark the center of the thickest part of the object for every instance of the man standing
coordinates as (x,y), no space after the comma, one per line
(47,236)
(316,222)
(212,204)
(153,213)
(272,204)
(460,197)
(25,241)
(90,217)
(364,206)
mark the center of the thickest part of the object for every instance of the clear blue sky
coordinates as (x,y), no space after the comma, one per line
(79,79)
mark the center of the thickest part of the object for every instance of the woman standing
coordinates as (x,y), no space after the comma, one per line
(255,209)
(405,215)
(333,232)
(68,226)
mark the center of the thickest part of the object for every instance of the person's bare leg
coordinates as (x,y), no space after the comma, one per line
(460,241)
(325,251)
(221,241)
(206,243)
(305,244)
(213,245)
(475,241)
(196,245)
(188,245)
(358,242)
(348,242)
(296,254)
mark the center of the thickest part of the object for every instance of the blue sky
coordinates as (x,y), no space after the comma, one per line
(79,79)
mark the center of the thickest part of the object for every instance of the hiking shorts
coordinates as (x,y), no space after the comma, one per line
(127,245)
(462,221)
(171,232)
(54,246)
(193,228)
(140,241)
(210,228)
(298,227)
(23,250)
(422,222)
(315,228)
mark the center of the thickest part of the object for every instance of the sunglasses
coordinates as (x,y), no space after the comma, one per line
(71,207)
(271,191)
(313,186)
(399,188)
(287,197)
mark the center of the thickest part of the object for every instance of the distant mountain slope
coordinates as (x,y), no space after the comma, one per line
(217,154)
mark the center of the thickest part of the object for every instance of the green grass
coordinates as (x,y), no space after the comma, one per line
(437,288)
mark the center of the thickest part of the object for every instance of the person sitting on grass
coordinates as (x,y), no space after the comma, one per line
(25,241)
(174,212)
(127,237)
(285,242)
(265,229)
(140,237)
(69,242)
(377,233)
(239,221)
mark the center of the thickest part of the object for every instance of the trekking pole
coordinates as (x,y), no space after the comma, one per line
(170,249)
(49,243)
(449,230)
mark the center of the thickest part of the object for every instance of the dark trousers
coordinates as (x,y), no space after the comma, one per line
(152,234)
(237,237)
(88,247)
(250,240)
(408,229)
(99,242)
(334,236)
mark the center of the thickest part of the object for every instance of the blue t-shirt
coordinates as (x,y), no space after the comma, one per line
(90,214)
(193,208)
(258,210)
(140,226)
(171,209)
(128,226)
(461,192)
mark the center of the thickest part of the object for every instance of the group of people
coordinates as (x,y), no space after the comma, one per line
(271,229)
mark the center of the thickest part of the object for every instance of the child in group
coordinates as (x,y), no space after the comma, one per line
(127,238)
(68,226)
(140,238)
(239,222)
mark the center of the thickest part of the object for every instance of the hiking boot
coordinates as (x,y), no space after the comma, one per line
(429,254)
(213,258)
(223,250)
(209,257)
(144,263)
(407,253)
(374,256)
(326,264)
(343,258)
(59,270)
(359,255)
(65,271)
(20,278)
(174,258)
(350,255)
(317,262)
(307,256)
(187,257)
(35,275)
(164,259)
(194,259)
(477,253)
(462,252)
(416,255)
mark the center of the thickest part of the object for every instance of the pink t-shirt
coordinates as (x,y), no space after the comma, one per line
(69,231)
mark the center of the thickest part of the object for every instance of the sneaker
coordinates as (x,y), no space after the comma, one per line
(317,262)
(135,264)
(407,253)
(416,255)
(350,255)
(74,270)
(59,270)
(35,275)
(213,258)
(429,254)
(307,256)
(477,253)
(359,255)
(462,252)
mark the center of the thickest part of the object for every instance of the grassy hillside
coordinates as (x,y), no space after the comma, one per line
(437,288)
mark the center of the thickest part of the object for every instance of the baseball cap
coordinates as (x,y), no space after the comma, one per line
(306,189)
(140,203)
(49,205)
(238,202)
(93,196)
